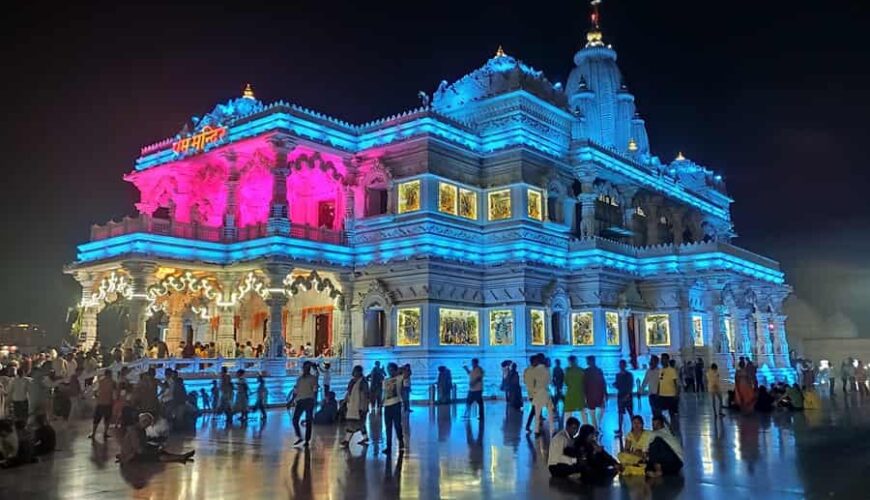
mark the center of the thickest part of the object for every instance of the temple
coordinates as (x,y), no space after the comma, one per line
(505,216)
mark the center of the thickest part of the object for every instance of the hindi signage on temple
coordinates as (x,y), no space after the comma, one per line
(198,141)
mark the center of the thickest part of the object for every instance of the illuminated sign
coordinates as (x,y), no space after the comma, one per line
(198,141)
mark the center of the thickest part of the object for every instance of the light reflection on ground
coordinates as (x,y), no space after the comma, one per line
(780,456)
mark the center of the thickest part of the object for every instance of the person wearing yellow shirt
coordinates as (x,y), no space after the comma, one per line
(669,388)
(634,449)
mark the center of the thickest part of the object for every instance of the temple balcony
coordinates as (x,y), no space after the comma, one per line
(167,227)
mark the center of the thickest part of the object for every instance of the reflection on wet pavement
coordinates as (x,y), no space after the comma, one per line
(784,455)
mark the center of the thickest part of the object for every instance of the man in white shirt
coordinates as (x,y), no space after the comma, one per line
(651,380)
(562,457)
(60,367)
(475,388)
(18,392)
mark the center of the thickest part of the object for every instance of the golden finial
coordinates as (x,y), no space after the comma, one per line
(632,145)
(594,38)
(499,52)
(680,156)
(248,93)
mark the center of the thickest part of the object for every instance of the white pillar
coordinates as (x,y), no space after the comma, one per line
(226,343)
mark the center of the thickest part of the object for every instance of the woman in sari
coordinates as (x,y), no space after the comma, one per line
(513,390)
(744,388)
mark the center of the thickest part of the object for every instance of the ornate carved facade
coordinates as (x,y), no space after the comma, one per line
(509,215)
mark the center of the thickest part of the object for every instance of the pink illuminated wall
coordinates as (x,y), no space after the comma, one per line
(195,189)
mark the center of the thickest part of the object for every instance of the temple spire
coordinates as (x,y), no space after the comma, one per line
(248,93)
(594,38)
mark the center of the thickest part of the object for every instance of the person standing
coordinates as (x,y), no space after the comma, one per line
(444,384)
(699,375)
(558,383)
(575,389)
(744,388)
(226,400)
(357,405)
(393,407)
(105,398)
(475,388)
(596,391)
(669,389)
(326,380)
(376,386)
(714,387)
(540,393)
(305,394)
(262,394)
(240,405)
(18,390)
(513,389)
(651,381)
(689,376)
(624,385)
(527,380)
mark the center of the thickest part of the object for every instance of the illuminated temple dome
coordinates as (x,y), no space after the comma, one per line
(504,216)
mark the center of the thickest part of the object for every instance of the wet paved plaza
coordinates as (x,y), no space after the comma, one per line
(819,454)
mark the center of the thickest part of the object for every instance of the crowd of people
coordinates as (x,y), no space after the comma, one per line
(142,410)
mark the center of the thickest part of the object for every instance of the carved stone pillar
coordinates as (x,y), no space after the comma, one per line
(279,222)
(652,221)
(588,224)
(677,215)
(743,335)
(142,274)
(569,213)
(88,334)
(276,304)
(174,331)
(231,231)
(346,304)
(277,273)
(225,343)
(687,340)
(763,344)
(780,341)
(350,193)
(624,341)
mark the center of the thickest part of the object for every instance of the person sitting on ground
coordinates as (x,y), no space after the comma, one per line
(596,465)
(8,442)
(635,444)
(136,448)
(44,437)
(24,449)
(562,457)
(764,403)
(328,412)
(793,399)
(732,401)
(665,453)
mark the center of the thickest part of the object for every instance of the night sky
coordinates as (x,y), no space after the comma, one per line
(771,94)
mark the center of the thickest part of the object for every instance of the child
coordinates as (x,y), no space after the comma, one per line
(203,396)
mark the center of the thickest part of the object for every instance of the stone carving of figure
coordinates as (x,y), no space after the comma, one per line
(424,98)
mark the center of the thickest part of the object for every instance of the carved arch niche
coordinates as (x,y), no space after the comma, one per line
(558,304)
(376,308)
(557,202)
(373,189)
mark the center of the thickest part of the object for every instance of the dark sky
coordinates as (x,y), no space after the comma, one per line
(772,94)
